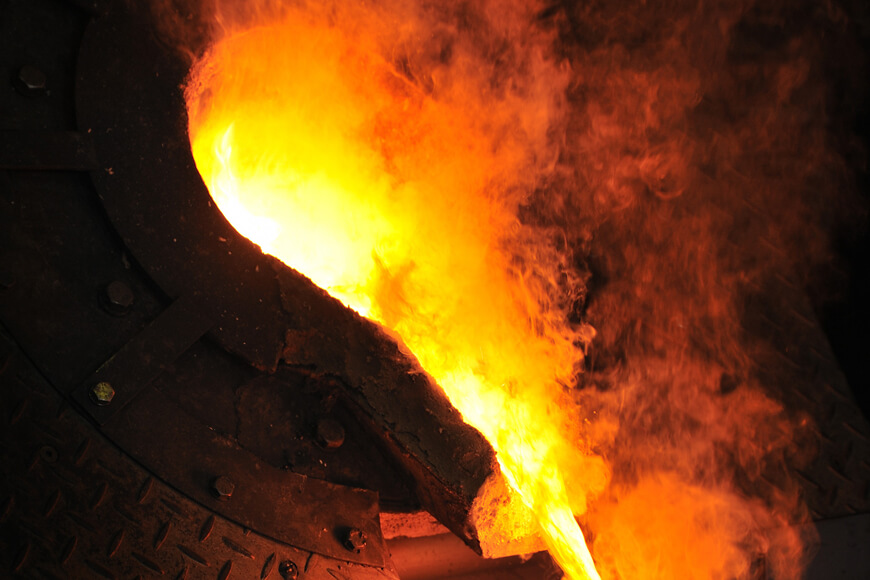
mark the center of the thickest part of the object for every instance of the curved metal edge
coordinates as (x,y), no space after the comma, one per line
(306,513)
(128,96)
(94,489)
(129,101)
(157,202)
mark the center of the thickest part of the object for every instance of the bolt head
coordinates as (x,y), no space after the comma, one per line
(288,570)
(102,393)
(330,433)
(118,298)
(354,540)
(30,81)
(222,487)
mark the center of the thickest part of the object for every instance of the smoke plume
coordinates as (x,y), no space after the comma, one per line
(636,174)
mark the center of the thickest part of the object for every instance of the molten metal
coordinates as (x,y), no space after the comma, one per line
(398,202)
(444,168)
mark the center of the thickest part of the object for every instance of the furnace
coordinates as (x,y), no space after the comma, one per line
(176,402)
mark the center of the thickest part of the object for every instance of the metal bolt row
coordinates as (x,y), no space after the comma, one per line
(330,434)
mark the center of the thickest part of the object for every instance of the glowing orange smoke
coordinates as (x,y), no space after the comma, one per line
(387,152)
(399,204)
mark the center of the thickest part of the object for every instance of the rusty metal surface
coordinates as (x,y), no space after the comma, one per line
(280,419)
(444,556)
(73,506)
(448,460)
(54,303)
(309,513)
(75,299)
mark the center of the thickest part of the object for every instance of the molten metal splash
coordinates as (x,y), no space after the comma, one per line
(398,204)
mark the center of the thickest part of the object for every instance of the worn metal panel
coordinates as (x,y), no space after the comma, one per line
(73,505)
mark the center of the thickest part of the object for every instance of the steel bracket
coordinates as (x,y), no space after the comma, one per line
(127,372)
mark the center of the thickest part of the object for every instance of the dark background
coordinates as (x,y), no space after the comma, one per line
(844,312)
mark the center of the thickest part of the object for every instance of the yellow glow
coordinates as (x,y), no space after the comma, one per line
(397,204)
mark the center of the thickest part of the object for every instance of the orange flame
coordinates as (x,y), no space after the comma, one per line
(399,204)
(435,166)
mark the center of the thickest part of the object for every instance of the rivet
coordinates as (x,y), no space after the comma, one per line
(102,393)
(222,487)
(118,298)
(354,540)
(330,433)
(288,570)
(30,81)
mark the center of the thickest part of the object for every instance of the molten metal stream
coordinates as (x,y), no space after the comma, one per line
(395,202)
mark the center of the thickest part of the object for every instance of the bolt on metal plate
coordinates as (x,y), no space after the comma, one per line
(102,393)
(117,298)
(30,81)
(222,487)
(330,433)
(354,540)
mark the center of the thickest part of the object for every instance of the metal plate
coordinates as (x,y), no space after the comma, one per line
(73,506)
(312,514)
(129,100)
(142,359)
